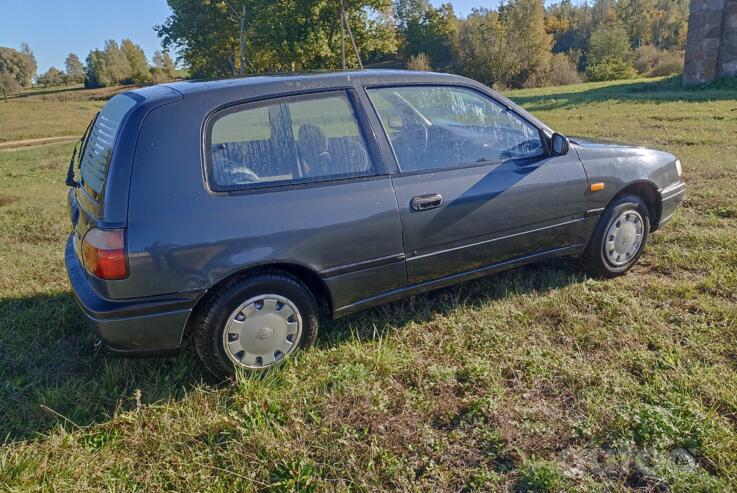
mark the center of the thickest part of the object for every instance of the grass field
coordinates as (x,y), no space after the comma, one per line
(539,379)
(51,112)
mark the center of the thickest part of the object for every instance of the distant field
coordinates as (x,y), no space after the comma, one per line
(539,379)
(51,112)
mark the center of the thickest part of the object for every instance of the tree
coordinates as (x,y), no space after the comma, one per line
(20,64)
(165,64)
(52,77)
(428,30)
(609,42)
(116,63)
(508,47)
(232,37)
(570,25)
(28,65)
(74,69)
(528,38)
(96,73)
(482,51)
(140,73)
(637,16)
(9,84)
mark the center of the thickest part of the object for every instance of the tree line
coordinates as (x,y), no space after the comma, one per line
(17,69)
(126,64)
(520,43)
(113,65)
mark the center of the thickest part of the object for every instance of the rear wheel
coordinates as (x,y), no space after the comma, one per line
(619,238)
(254,323)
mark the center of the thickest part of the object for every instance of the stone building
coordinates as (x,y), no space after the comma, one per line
(711,47)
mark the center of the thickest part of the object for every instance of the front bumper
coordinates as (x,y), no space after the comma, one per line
(136,326)
(670,197)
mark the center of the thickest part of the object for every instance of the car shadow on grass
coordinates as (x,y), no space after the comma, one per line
(51,374)
(385,319)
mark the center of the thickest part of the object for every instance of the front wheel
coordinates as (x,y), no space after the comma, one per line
(255,323)
(619,238)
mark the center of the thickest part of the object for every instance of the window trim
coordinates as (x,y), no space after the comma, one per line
(455,84)
(377,167)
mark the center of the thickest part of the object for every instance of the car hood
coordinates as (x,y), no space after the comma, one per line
(599,148)
(601,143)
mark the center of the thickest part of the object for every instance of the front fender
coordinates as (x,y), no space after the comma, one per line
(619,167)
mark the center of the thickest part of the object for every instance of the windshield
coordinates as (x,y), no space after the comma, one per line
(99,144)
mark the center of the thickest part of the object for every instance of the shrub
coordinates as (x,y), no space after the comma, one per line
(611,69)
(561,71)
(419,61)
(670,64)
(652,62)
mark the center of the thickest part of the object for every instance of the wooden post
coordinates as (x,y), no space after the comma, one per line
(342,34)
(350,35)
(242,67)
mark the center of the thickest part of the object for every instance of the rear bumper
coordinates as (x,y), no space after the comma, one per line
(670,197)
(137,326)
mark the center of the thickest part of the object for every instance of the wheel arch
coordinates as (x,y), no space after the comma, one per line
(648,192)
(309,277)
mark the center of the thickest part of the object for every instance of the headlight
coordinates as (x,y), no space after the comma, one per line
(678,167)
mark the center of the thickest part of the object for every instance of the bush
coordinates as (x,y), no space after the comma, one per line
(419,61)
(611,69)
(560,72)
(652,62)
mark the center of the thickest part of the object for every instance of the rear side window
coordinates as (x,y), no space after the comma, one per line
(432,127)
(279,142)
(99,145)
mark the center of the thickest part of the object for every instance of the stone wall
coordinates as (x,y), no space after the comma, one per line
(711,48)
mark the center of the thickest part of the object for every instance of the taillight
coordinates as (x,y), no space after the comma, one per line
(103,253)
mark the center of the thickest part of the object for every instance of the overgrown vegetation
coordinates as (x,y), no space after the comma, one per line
(539,379)
(126,64)
(520,43)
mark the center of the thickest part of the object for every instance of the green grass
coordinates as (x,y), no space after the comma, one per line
(51,112)
(538,379)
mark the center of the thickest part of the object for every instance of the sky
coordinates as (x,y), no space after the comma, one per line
(55,28)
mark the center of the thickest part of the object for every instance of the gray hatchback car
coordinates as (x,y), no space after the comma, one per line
(227,211)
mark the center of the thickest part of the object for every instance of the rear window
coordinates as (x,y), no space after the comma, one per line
(286,141)
(99,145)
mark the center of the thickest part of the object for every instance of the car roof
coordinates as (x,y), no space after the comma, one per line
(224,91)
(328,78)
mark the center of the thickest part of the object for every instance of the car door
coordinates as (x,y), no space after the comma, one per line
(475,185)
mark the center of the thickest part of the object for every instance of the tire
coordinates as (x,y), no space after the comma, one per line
(259,311)
(612,249)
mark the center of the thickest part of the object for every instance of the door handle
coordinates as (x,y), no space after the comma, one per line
(425,202)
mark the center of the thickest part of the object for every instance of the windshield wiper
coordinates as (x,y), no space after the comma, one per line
(70,181)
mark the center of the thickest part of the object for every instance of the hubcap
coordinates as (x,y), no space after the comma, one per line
(262,331)
(624,238)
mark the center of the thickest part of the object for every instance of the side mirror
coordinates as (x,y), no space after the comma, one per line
(560,144)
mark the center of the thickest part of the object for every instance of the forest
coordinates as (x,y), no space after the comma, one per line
(519,44)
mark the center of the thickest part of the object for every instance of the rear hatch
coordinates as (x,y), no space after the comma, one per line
(87,195)
(98,146)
